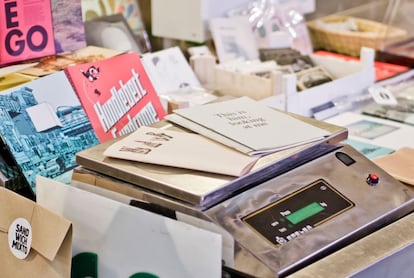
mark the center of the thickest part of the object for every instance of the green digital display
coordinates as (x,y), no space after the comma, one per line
(304,213)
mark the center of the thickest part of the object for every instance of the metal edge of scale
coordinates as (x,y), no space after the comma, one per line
(387,253)
(268,172)
(373,208)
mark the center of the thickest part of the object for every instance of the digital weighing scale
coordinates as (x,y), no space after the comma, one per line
(295,208)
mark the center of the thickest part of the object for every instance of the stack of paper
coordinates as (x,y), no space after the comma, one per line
(229,138)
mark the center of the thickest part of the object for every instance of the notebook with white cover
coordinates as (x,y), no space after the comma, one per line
(247,126)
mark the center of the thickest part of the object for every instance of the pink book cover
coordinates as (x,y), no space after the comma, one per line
(117,95)
(26,30)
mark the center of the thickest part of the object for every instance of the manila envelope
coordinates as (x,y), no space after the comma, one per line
(399,164)
(50,254)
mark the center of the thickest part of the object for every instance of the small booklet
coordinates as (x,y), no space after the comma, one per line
(180,149)
(247,126)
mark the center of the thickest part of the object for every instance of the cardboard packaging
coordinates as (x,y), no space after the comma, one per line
(50,235)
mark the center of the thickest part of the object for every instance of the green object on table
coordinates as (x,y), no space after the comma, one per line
(85,264)
(143,275)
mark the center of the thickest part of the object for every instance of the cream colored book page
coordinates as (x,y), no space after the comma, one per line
(180,149)
(208,133)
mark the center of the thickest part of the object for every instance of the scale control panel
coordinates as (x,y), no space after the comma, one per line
(299,212)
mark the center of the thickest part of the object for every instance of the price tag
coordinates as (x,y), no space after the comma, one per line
(382,96)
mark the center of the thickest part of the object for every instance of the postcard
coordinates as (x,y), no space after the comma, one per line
(370,129)
(233,38)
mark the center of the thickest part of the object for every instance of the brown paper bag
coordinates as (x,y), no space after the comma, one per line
(51,239)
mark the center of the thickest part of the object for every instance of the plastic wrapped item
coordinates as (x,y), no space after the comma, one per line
(277,25)
(294,23)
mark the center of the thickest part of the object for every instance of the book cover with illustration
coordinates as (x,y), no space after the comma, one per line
(129,9)
(25,34)
(111,31)
(169,71)
(44,126)
(68,25)
(233,38)
(116,94)
(11,175)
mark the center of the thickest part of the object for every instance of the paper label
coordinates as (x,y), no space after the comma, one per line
(20,238)
(382,95)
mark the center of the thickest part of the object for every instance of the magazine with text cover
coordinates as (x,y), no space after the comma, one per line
(25,34)
(38,28)
(116,94)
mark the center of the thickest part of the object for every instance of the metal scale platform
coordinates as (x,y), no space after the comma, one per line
(293,209)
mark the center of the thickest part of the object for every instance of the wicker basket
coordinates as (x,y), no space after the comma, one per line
(370,34)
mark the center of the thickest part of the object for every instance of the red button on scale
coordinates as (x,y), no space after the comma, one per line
(372,179)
